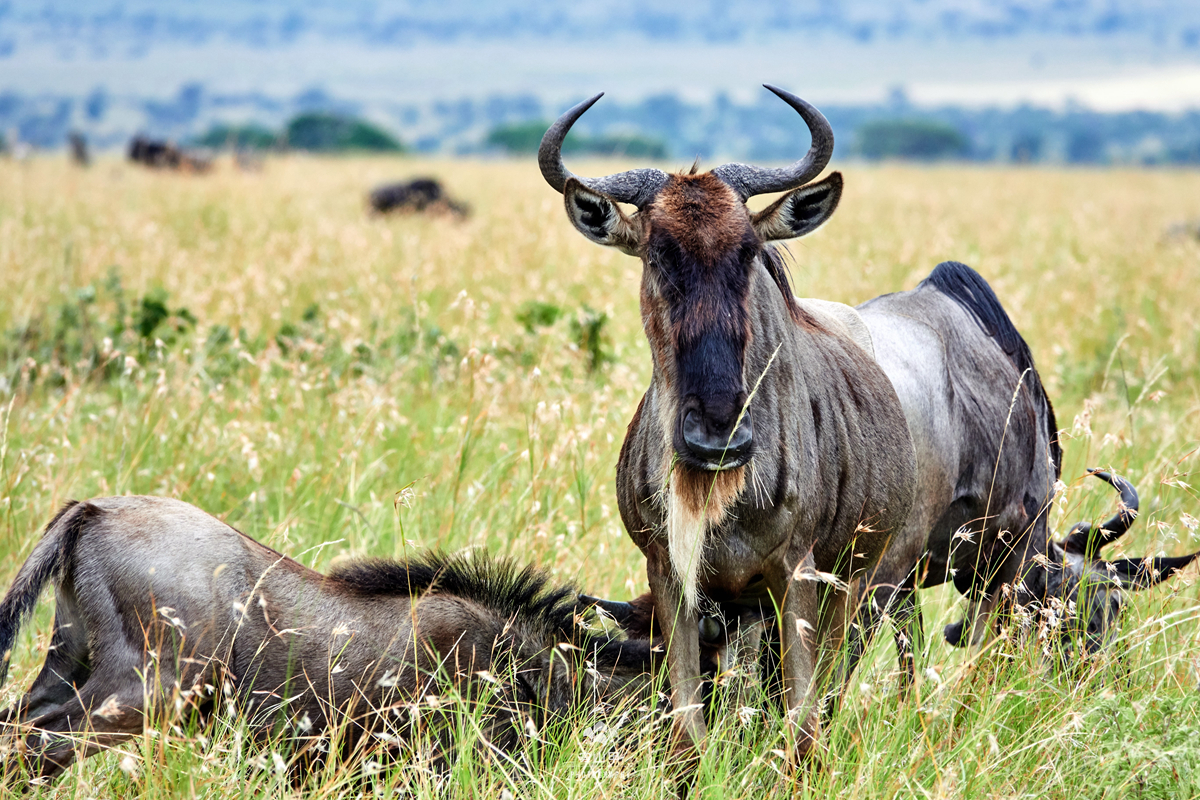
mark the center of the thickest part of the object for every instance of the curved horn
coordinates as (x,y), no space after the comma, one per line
(748,181)
(1082,540)
(636,186)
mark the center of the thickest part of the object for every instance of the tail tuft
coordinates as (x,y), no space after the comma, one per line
(47,560)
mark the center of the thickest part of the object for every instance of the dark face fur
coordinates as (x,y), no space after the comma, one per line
(699,252)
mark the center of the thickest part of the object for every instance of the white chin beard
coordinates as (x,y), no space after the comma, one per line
(686,528)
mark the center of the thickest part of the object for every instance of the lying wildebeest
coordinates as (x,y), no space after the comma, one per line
(988,459)
(419,194)
(166,155)
(769,457)
(158,602)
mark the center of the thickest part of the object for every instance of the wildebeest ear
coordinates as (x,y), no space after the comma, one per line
(598,217)
(1144,573)
(800,211)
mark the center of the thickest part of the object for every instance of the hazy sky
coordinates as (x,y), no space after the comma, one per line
(1109,56)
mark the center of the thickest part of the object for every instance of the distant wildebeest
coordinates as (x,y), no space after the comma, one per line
(988,459)
(769,460)
(1182,231)
(159,604)
(419,194)
(166,155)
(79,148)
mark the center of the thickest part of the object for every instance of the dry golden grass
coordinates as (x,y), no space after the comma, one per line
(505,439)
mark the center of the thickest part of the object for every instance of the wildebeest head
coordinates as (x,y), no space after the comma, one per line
(1081,599)
(699,245)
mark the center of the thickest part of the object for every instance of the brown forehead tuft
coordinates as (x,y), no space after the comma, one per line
(702,214)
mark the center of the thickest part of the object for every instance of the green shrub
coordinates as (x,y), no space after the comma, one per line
(535,314)
(328,133)
(587,329)
(923,140)
(239,137)
(524,137)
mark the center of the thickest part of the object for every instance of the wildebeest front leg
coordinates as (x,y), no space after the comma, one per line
(683,656)
(800,618)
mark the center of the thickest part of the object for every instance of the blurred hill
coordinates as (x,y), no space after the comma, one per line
(664,126)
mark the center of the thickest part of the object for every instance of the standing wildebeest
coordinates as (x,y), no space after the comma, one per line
(769,457)
(987,461)
(157,602)
(419,194)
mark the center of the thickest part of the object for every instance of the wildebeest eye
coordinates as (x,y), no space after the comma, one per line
(747,253)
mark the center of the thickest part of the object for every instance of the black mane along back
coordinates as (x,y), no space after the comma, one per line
(511,591)
(967,287)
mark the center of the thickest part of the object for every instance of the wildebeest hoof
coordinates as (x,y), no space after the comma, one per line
(954,634)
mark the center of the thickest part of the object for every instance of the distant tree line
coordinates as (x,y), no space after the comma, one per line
(917,139)
(524,137)
(317,132)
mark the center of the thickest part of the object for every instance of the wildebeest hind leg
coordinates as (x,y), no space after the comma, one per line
(66,667)
(103,713)
(877,603)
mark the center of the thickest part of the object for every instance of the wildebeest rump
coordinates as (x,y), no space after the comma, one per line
(157,601)
(419,194)
(769,456)
(988,459)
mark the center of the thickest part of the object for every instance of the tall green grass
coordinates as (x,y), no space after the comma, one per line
(338,385)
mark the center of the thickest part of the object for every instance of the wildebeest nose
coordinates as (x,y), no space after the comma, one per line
(713,444)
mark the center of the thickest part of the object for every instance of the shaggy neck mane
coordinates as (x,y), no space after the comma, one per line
(772,257)
(516,593)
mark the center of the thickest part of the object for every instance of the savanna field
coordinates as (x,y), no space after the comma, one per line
(340,385)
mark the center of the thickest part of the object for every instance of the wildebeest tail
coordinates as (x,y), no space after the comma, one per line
(49,556)
(968,288)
